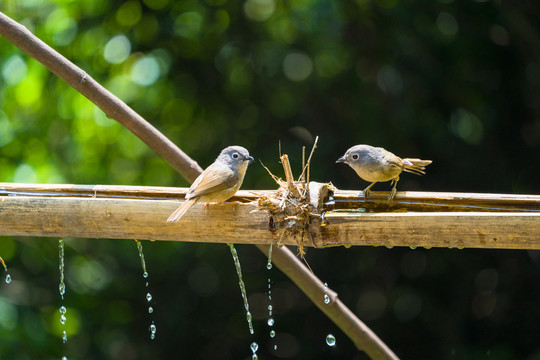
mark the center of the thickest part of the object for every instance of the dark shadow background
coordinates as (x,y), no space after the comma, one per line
(457,82)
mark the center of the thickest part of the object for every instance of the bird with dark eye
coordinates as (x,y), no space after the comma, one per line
(218,182)
(375,164)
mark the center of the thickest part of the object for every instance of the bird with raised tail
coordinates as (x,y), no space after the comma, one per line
(218,182)
(375,164)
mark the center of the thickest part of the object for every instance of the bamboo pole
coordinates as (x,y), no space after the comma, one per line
(139,212)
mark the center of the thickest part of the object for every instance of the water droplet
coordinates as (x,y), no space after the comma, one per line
(8,278)
(326,299)
(254,357)
(254,347)
(153,330)
(64,337)
(269,265)
(150,309)
(62,309)
(270,322)
(148,297)
(64,358)
(272,333)
(275,347)
(330,340)
(412,247)
(63,319)
(145,274)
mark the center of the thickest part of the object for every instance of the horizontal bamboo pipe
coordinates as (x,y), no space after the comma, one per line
(140,213)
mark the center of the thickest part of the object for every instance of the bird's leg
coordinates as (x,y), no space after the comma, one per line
(394,190)
(366,190)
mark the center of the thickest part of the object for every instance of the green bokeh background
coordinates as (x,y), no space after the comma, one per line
(457,82)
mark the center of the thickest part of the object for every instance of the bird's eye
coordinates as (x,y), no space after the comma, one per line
(235,156)
(355,157)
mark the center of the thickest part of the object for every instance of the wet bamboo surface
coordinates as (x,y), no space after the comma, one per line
(415,219)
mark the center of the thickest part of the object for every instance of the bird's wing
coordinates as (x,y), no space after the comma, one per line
(215,178)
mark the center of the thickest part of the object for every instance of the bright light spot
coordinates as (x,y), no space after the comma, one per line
(145,71)
(129,13)
(62,27)
(14,70)
(117,49)
(25,174)
(259,10)
(447,24)
(188,24)
(466,126)
(297,66)
(6,130)
(8,315)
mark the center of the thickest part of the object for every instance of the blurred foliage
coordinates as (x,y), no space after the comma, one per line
(457,82)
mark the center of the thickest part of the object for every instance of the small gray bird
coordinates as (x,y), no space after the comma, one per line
(375,164)
(218,182)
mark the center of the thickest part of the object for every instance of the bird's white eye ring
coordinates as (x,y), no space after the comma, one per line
(355,157)
(235,156)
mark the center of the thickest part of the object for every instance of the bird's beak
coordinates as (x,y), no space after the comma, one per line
(249,158)
(341,160)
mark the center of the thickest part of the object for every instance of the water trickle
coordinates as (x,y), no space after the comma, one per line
(326,297)
(270,320)
(269,263)
(330,340)
(148,295)
(62,285)
(242,287)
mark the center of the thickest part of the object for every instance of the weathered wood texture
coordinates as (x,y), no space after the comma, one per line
(128,212)
(501,221)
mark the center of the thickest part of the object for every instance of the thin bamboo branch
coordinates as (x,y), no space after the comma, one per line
(113,107)
(364,339)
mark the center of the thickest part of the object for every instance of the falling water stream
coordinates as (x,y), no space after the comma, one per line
(62,290)
(152,328)
(254,346)
(270,320)
(62,286)
(330,339)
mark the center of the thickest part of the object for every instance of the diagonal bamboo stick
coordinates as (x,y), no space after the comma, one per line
(118,110)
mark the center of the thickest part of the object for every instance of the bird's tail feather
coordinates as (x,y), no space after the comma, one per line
(178,213)
(415,166)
